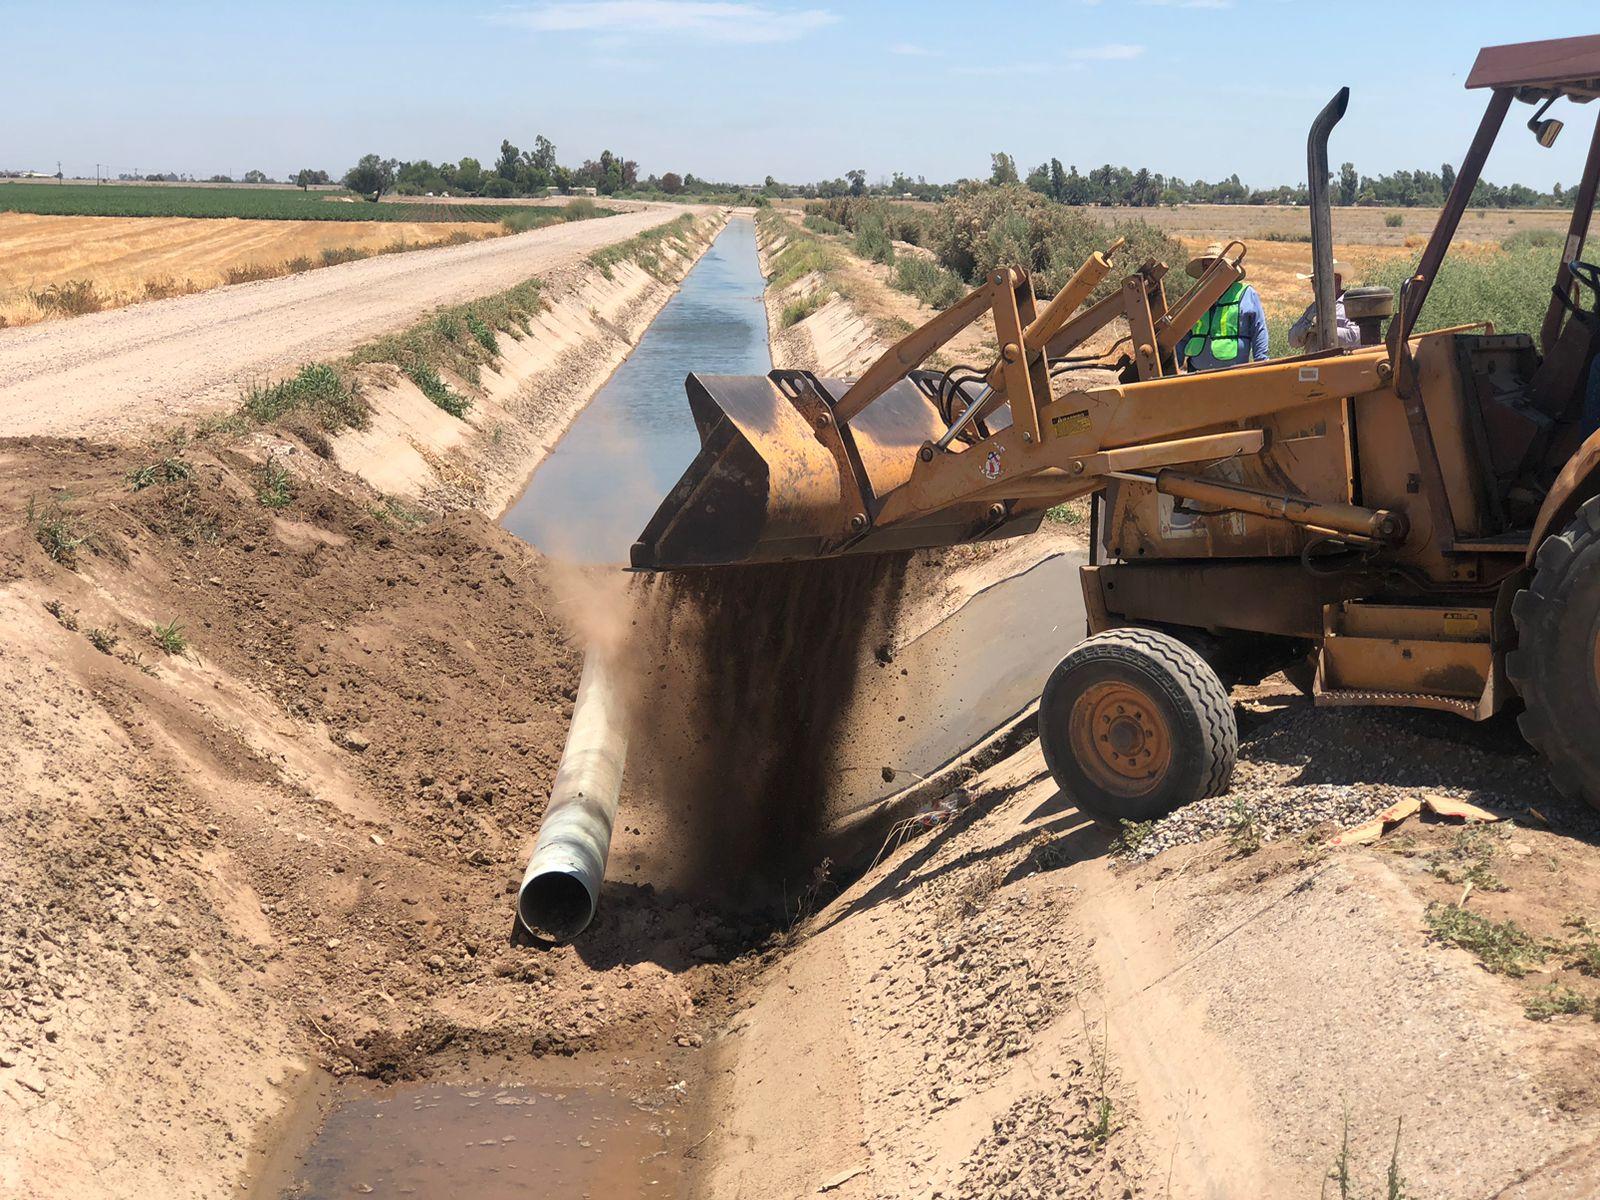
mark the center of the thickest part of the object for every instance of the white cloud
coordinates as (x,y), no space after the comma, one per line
(704,20)
(911,50)
(1112,52)
(1187,3)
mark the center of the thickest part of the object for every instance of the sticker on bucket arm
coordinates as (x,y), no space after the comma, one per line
(1310,374)
(1070,423)
(991,465)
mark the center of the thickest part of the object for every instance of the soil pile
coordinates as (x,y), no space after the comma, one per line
(276,754)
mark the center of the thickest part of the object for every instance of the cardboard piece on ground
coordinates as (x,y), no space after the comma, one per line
(1445,806)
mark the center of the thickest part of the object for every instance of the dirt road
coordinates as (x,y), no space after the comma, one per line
(121,372)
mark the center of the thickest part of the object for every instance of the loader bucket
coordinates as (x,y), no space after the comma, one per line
(777,479)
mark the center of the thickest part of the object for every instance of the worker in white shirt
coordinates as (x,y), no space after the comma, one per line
(1349,336)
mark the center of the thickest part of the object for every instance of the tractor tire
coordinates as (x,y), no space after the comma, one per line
(1556,665)
(1134,724)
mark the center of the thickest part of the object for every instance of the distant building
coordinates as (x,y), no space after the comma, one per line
(584,191)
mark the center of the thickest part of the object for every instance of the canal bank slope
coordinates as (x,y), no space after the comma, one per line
(279,737)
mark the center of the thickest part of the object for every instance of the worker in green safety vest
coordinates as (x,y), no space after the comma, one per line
(1232,331)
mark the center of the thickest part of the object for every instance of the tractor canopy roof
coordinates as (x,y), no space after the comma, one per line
(1537,70)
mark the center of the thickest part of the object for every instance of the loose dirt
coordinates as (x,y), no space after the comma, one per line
(117,374)
(294,842)
(120,256)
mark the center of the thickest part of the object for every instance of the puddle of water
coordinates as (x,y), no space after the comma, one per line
(489,1143)
(602,481)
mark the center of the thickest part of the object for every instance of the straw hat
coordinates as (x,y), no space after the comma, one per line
(1198,264)
(1338,269)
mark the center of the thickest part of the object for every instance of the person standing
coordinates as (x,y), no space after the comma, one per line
(1232,331)
(1347,333)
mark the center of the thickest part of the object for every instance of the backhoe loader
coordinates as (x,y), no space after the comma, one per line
(1413,522)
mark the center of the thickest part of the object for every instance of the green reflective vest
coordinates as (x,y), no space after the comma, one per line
(1219,326)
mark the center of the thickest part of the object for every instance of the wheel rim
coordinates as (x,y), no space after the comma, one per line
(1120,738)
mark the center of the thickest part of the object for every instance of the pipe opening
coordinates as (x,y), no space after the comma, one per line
(556,904)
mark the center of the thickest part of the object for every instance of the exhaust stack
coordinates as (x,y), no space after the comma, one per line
(1322,216)
(561,886)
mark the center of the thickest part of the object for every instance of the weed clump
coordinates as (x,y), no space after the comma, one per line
(927,281)
(57,531)
(1502,947)
(1244,827)
(171,469)
(318,393)
(1555,1001)
(799,309)
(103,640)
(437,390)
(645,248)
(169,637)
(274,486)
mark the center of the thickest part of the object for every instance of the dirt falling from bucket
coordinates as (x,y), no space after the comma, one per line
(746,699)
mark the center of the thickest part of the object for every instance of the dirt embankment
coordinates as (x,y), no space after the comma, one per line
(1003,1008)
(279,746)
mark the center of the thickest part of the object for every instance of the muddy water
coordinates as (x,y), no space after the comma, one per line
(489,1142)
(602,481)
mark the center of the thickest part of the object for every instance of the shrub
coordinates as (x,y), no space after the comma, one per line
(70,299)
(1533,239)
(927,281)
(580,209)
(820,224)
(984,227)
(334,255)
(249,273)
(872,238)
(1512,289)
(1394,220)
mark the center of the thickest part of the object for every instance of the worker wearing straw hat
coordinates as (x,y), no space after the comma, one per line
(1232,331)
(1348,334)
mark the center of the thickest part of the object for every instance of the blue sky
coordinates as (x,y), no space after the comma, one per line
(735,90)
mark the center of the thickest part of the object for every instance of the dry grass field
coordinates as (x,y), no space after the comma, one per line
(127,259)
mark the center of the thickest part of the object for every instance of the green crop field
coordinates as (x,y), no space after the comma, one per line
(274,204)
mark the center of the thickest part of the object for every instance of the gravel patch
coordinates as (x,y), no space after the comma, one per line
(1303,769)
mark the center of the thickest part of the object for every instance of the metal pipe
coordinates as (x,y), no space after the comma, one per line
(1322,217)
(561,886)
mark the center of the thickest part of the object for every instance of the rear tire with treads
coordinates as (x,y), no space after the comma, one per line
(1134,724)
(1556,665)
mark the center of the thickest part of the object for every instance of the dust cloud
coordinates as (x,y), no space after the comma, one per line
(744,698)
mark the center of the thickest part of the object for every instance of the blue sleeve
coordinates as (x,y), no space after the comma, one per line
(1250,307)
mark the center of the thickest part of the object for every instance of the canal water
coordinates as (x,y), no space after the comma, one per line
(603,480)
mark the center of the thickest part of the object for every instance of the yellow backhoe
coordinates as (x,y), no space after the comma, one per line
(1412,522)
